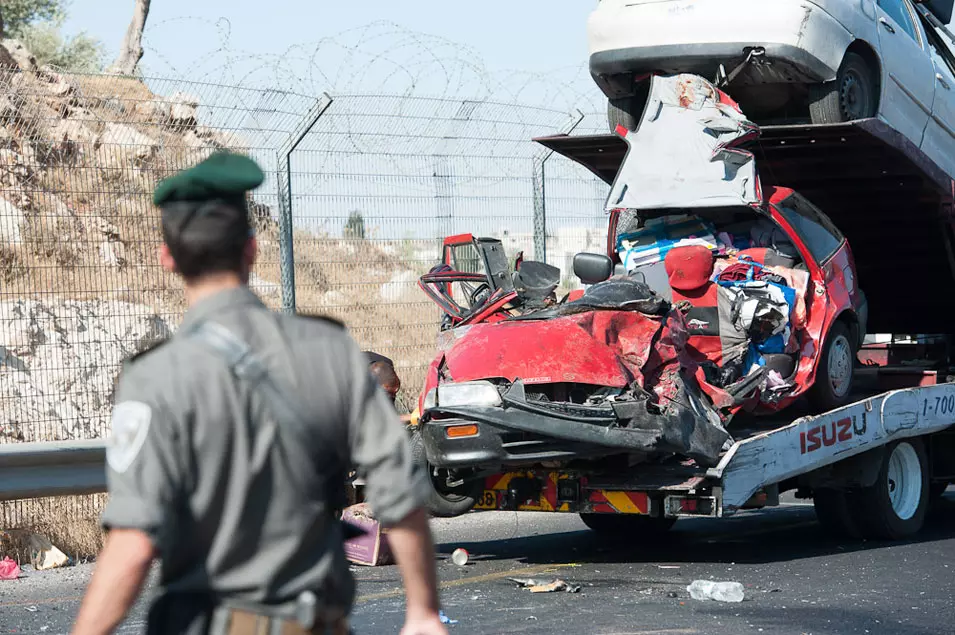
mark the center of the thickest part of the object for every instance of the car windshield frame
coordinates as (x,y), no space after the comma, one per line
(797,220)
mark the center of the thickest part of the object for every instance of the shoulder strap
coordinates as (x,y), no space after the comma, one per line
(287,409)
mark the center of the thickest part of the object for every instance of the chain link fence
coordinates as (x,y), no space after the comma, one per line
(360,191)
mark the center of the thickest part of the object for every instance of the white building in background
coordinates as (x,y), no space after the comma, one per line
(562,245)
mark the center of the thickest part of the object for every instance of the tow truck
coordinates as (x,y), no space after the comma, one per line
(872,467)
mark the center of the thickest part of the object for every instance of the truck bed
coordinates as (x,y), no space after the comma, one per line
(767,451)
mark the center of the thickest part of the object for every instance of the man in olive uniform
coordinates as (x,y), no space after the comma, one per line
(230,444)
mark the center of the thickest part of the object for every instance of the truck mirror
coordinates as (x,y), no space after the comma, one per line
(592,268)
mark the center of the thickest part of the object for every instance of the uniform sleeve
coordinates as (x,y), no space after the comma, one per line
(141,469)
(379,446)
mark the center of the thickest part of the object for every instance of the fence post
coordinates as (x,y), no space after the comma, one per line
(284,180)
(539,182)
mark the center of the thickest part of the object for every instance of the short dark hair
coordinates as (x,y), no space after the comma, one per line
(206,237)
(385,374)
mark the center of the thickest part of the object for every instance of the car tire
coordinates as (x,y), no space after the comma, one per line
(620,113)
(627,525)
(852,95)
(894,507)
(833,386)
(627,111)
(443,504)
(834,514)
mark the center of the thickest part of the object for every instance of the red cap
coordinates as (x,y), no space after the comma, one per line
(689,268)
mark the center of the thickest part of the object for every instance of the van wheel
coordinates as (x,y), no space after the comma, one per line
(627,525)
(836,370)
(443,503)
(852,95)
(834,514)
(895,505)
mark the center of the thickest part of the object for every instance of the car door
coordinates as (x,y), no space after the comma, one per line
(909,78)
(939,140)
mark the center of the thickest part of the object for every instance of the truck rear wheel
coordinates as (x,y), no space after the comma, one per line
(443,503)
(834,514)
(627,525)
(895,505)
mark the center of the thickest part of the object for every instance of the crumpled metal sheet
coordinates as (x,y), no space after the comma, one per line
(684,154)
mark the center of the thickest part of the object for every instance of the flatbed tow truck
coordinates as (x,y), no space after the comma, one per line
(872,467)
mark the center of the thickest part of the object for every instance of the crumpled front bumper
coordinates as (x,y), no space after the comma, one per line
(521,432)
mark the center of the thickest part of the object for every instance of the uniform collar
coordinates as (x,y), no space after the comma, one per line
(222,301)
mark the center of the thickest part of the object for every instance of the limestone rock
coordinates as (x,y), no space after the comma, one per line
(113,253)
(11,221)
(153,110)
(58,363)
(19,53)
(183,109)
(122,141)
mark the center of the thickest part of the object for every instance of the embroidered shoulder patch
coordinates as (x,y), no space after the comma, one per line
(130,425)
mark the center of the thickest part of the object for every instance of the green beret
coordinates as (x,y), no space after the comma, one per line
(223,175)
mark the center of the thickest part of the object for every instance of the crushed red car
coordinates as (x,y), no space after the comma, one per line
(715,297)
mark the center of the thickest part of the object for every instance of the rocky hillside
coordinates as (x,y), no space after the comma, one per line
(79,285)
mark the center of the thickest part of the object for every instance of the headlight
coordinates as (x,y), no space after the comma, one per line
(474,393)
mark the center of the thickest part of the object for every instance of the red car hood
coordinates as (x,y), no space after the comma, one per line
(600,348)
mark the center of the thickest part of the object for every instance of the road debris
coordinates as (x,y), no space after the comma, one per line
(9,569)
(718,591)
(445,619)
(460,557)
(543,586)
(44,555)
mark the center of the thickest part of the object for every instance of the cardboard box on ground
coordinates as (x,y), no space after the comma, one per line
(371,548)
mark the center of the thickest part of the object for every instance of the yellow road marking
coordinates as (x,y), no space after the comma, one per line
(487,577)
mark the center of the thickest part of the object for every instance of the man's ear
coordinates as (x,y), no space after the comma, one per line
(166,260)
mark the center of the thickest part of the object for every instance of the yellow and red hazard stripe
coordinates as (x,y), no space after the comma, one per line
(590,500)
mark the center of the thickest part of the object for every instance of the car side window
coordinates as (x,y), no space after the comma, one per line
(820,234)
(899,12)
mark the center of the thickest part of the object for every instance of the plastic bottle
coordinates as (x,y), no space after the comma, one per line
(718,591)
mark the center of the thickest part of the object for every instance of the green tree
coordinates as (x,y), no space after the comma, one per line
(16,14)
(355,227)
(38,25)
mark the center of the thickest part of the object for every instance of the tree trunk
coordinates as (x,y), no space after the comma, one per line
(132,49)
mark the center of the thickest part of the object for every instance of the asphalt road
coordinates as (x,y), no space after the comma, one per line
(796,579)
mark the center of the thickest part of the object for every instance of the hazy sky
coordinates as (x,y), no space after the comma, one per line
(199,38)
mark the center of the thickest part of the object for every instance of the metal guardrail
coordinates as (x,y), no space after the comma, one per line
(58,468)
